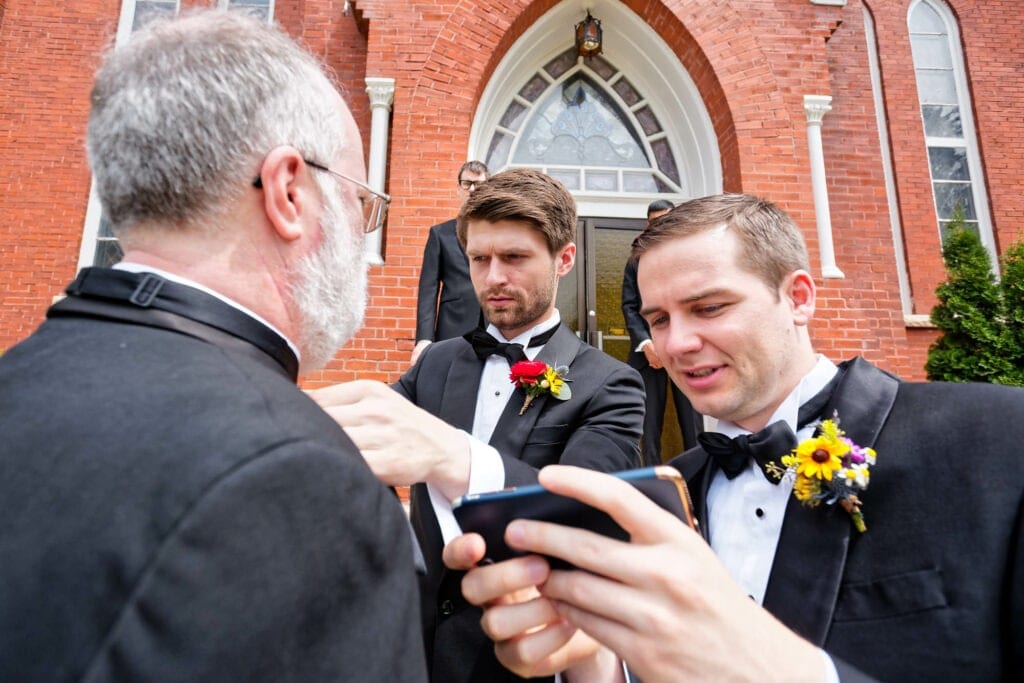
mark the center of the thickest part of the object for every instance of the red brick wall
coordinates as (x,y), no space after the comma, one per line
(48,52)
(751,60)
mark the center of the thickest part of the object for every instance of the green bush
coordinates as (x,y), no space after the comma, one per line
(1012,289)
(976,344)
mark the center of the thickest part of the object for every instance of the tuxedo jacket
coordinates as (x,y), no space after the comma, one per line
(176,509)
(934,589)
(635,324)
(598,428)
(445,268)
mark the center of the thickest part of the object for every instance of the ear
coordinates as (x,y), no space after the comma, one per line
(288,194)
(799,289)
(565,259)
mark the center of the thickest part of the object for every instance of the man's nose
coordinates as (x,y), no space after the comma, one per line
(496,272)
(683,338)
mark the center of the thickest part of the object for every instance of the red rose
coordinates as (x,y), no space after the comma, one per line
(527,371)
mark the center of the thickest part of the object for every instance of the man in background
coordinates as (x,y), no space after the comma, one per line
(175,508)
(446,305)
(456,424)
(644,358)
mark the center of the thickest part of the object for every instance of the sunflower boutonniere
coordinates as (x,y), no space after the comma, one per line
(537,378)
(829,468)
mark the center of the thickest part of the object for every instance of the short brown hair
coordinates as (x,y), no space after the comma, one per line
(528,196)
(472,167)
(771,245)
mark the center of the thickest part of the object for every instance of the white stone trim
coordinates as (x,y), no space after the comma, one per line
(815,107)
(635,49)
(382,95)
(902,277)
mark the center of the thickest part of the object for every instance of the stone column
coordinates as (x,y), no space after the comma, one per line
(382,95)
(816,106)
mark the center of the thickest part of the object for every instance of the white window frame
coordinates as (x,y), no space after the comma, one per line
(884,143)
(94,210)
(654,70)
(970,137)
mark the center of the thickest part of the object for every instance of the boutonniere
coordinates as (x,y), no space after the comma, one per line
(537,378)
(829,468)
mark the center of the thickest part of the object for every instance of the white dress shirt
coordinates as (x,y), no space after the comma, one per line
(487,472)
(745,513)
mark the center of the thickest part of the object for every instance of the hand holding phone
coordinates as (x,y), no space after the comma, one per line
(489,513)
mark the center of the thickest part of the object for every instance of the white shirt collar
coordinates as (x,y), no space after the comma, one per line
(525,337)
(813,382)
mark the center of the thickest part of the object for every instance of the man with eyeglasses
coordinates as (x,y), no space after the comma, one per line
(446,305)
(175,507)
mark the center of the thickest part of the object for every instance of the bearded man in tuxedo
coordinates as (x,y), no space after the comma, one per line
(175,508)
(929,585)
(455,424)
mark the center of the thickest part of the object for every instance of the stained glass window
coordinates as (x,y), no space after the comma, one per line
(583,122)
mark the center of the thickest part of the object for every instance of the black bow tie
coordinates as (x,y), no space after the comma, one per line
(767,445)
(484,345)
(732,455)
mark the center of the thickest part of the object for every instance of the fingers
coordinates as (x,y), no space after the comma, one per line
(490,583)
(347,393)
(643,520)
(543,652)
(506,621)
(464,552)
(595,603)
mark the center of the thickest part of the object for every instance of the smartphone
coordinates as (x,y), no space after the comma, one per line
(489,513)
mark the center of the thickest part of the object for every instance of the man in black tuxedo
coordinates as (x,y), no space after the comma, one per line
(446,304)
(175,508)
(644,358)
(454,423)
(932,588)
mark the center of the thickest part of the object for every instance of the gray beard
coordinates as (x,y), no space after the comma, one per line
(330,289)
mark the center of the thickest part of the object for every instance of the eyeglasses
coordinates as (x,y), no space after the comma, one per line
(470,184)
(375,207)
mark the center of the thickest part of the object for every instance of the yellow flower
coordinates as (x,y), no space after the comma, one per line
(820,457)
(806,489)
(554,380)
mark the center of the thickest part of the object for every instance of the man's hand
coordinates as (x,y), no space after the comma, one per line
(653,359)
(531,639)
(662,601)
(402,443)
(418,349)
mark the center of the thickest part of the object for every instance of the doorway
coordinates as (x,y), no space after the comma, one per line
(590,296)
(594,287)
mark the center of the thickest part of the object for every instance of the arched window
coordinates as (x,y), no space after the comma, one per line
(582,121)
(953,156)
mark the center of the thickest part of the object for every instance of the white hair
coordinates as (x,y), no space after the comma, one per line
(183,113)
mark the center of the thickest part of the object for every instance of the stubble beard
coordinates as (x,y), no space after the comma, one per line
(524,311)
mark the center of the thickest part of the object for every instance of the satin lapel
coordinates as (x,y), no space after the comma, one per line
(561,349)
(513,430)
(458,395)
(814,542)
